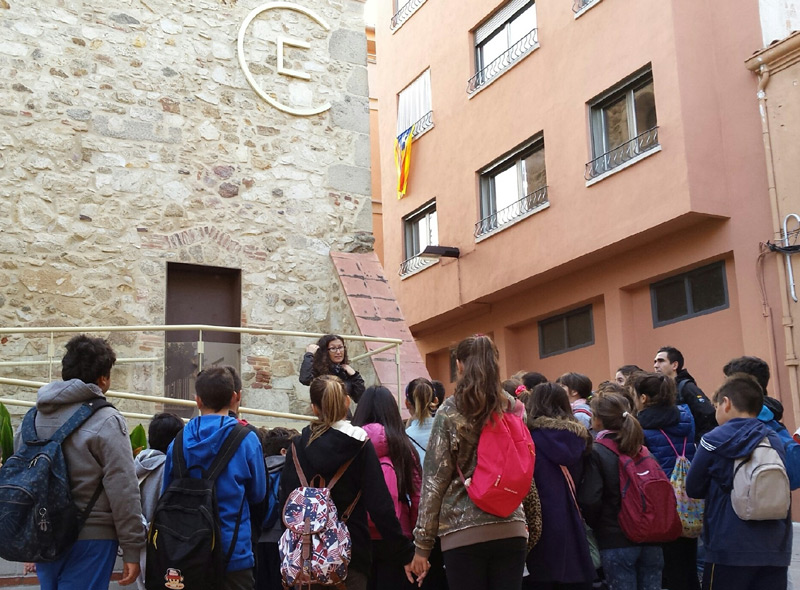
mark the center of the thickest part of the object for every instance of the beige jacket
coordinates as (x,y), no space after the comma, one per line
(445,509)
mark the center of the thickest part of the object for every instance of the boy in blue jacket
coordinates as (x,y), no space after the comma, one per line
(740,554)
(243,482)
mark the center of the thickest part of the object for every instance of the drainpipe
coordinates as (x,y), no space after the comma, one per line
(791,360)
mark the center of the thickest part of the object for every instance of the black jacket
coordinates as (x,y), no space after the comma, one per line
(353,384)
(701,408)
(324,457)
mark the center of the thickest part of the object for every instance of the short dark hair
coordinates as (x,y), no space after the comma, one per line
(237,381)
(532,379)
(628,370)
(162,431)
(87,359)
(751,365)
(549,400)
(578,383)
(744,392)
(673,354)
(275,439)
(215,387)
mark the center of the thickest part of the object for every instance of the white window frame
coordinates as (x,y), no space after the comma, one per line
(413,243)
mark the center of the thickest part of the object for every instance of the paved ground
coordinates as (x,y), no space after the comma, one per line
(13,569)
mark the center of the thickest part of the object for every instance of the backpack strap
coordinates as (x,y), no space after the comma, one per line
(416,443)
(72,423)
(226,451)
(683,454)
(178,460)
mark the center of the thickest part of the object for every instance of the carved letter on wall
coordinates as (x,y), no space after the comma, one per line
(281,42)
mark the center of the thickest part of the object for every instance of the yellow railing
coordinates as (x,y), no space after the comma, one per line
(53,360)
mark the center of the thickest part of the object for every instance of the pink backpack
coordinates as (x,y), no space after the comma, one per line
(648,512)
(506,457)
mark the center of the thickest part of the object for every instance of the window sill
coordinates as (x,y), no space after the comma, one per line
(523,217)
(406,17)
(425,266)
(587,8)
(500,75)
(423,132)
(622,167)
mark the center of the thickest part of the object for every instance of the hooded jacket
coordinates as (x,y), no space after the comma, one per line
(730,540)
(404,508)
(677,424)
(149,466)
(99,451)
(323,457)
(562,553)
(241,483)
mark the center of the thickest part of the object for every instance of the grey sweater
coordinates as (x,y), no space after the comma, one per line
(99,450)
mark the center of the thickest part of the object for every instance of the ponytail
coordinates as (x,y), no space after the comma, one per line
(420,396)
(659,389)
(614,413)
(330,398)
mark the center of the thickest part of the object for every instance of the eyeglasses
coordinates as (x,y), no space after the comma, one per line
(336,348)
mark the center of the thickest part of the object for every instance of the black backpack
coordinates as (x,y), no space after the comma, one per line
(184,543)
(38,519)
(703,411)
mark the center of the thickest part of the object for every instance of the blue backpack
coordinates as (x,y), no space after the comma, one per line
(38,519)
(274,470)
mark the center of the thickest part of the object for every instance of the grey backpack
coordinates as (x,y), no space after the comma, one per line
(760,485)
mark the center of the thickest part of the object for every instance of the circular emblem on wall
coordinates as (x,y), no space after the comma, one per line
(281,42)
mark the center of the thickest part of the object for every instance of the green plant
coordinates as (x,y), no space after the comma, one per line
(138,439)
(6,434)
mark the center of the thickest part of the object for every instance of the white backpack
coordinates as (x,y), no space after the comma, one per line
(760,485)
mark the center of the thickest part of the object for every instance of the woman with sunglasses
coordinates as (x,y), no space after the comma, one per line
(329,357)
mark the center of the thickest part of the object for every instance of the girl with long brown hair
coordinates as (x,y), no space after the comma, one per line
(481,550)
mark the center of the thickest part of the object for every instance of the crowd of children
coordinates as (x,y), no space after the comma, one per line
(401,487)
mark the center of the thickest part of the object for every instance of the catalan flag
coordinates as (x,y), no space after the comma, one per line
(402,159)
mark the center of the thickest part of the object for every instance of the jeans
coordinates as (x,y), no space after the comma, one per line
(87,565)
(488,565)
(633,568)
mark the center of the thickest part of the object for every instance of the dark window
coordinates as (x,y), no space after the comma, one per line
(565,332)
(697,292)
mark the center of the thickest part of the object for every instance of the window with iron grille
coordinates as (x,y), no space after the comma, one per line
(501,41)
(414,105)
(623,123)
(513,187)
(690,294)
(419,230)
(565,332)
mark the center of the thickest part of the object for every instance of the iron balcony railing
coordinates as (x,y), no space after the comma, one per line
(404,12)
(579,5)
(640,144)
(503,61)
(420,126)
(507,214)
(415,263)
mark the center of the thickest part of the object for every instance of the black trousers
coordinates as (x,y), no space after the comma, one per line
(736,577)
(680,565)
(487,566)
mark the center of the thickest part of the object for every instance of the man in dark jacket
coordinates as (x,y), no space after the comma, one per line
(669,362)
(740,554)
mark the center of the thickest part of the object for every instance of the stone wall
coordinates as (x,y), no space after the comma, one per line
(130,137)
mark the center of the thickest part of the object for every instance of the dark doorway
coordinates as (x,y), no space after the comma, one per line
(199,295)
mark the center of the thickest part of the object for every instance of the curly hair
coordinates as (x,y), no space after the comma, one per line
(322,359)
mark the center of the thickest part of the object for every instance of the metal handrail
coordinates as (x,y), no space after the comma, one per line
(415,263)
(507,214)
(503,61)
(51,331)
(640,144)
(404,12)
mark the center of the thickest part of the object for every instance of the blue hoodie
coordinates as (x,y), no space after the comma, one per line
(730,540)
(792,449)
(243,479)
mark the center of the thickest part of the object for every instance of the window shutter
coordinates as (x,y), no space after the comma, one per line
(500,17)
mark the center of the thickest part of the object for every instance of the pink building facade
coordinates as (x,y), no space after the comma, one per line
(600,170)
